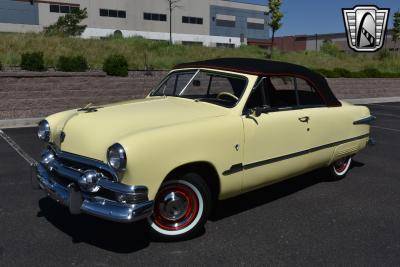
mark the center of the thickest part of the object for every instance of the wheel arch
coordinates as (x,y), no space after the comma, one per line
(205,169)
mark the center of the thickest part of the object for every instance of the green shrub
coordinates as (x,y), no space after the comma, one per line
(330,48)
(116,65)
(72,64)
(371,73)
(343,72)
(33,61)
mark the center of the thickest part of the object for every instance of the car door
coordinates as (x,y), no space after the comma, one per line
(274,140)
(323,123)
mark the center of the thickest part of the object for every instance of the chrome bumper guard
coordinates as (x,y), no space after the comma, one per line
(137,206)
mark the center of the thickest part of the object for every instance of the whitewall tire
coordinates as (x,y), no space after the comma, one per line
(181,208)
(340,168)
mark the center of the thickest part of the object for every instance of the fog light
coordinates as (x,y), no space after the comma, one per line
(88,181)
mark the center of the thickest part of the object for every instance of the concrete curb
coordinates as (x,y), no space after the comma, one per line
(33,122)
(32,74)
(19,123)
(364,101)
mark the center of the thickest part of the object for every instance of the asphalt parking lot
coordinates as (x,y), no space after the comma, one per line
(303,221)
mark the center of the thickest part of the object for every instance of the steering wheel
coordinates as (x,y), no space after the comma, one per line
(222,94)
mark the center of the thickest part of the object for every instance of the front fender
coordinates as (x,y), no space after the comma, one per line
(155,153)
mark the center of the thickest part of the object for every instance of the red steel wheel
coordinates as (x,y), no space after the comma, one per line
(180,208)
(340,168)
(176,207)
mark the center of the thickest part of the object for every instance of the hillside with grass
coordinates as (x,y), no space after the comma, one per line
(146,54)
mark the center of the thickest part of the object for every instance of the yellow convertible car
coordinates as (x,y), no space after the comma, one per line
(211,130)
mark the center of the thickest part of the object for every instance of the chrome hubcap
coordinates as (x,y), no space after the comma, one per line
(176,207)
(173,206)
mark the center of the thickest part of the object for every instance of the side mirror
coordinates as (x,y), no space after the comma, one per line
(196,83)
(257,111)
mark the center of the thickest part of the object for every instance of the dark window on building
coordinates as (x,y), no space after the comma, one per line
(104,12)
(65,9)
(74,8)
(55,8)
(255,26)
(192,43)
(121,14)
(192,20)
(163,17)
(154,16)
(226,23)
(147,16)
(112,13)
(225,45)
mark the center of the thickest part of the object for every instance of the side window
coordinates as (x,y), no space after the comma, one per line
(308,96)
(281,92)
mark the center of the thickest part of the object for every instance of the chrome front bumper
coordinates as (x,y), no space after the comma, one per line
(91,203)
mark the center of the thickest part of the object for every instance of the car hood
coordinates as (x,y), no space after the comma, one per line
(90,134)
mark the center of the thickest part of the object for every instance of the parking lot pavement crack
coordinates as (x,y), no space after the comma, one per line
(17,148)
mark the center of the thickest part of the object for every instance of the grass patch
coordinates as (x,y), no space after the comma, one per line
(145,54)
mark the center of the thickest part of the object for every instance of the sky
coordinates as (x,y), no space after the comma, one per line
(323,16)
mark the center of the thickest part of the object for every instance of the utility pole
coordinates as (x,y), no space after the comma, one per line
(172,4)
(316,42)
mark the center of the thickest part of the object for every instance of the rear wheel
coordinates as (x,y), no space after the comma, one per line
(340,168)
(181,208)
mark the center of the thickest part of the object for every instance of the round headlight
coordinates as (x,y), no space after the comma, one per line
(116,157)
(44,131)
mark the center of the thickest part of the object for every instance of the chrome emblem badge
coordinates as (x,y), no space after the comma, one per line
(366,27)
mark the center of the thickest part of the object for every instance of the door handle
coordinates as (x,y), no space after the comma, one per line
(305,119)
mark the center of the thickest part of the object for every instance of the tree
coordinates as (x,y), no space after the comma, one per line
(172,4)
(275,18)
(69,24)
(396,27)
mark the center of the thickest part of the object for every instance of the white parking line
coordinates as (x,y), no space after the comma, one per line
(384,128)
(17,148)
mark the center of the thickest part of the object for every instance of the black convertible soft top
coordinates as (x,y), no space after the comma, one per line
(262,67)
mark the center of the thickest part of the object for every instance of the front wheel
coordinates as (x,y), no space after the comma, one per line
(339,168)
(181,208)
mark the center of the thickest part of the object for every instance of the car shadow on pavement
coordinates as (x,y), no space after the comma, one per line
(253,199)
(115,237)
(128,238)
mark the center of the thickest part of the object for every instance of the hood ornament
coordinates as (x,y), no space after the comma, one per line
(89,108)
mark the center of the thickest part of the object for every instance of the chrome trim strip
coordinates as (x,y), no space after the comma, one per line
(239,167)
(122,188)
(367,120)
(190,81)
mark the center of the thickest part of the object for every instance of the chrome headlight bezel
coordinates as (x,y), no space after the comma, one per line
(44,131)
(116,157)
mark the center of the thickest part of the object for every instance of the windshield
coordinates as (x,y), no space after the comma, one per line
(213,87)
